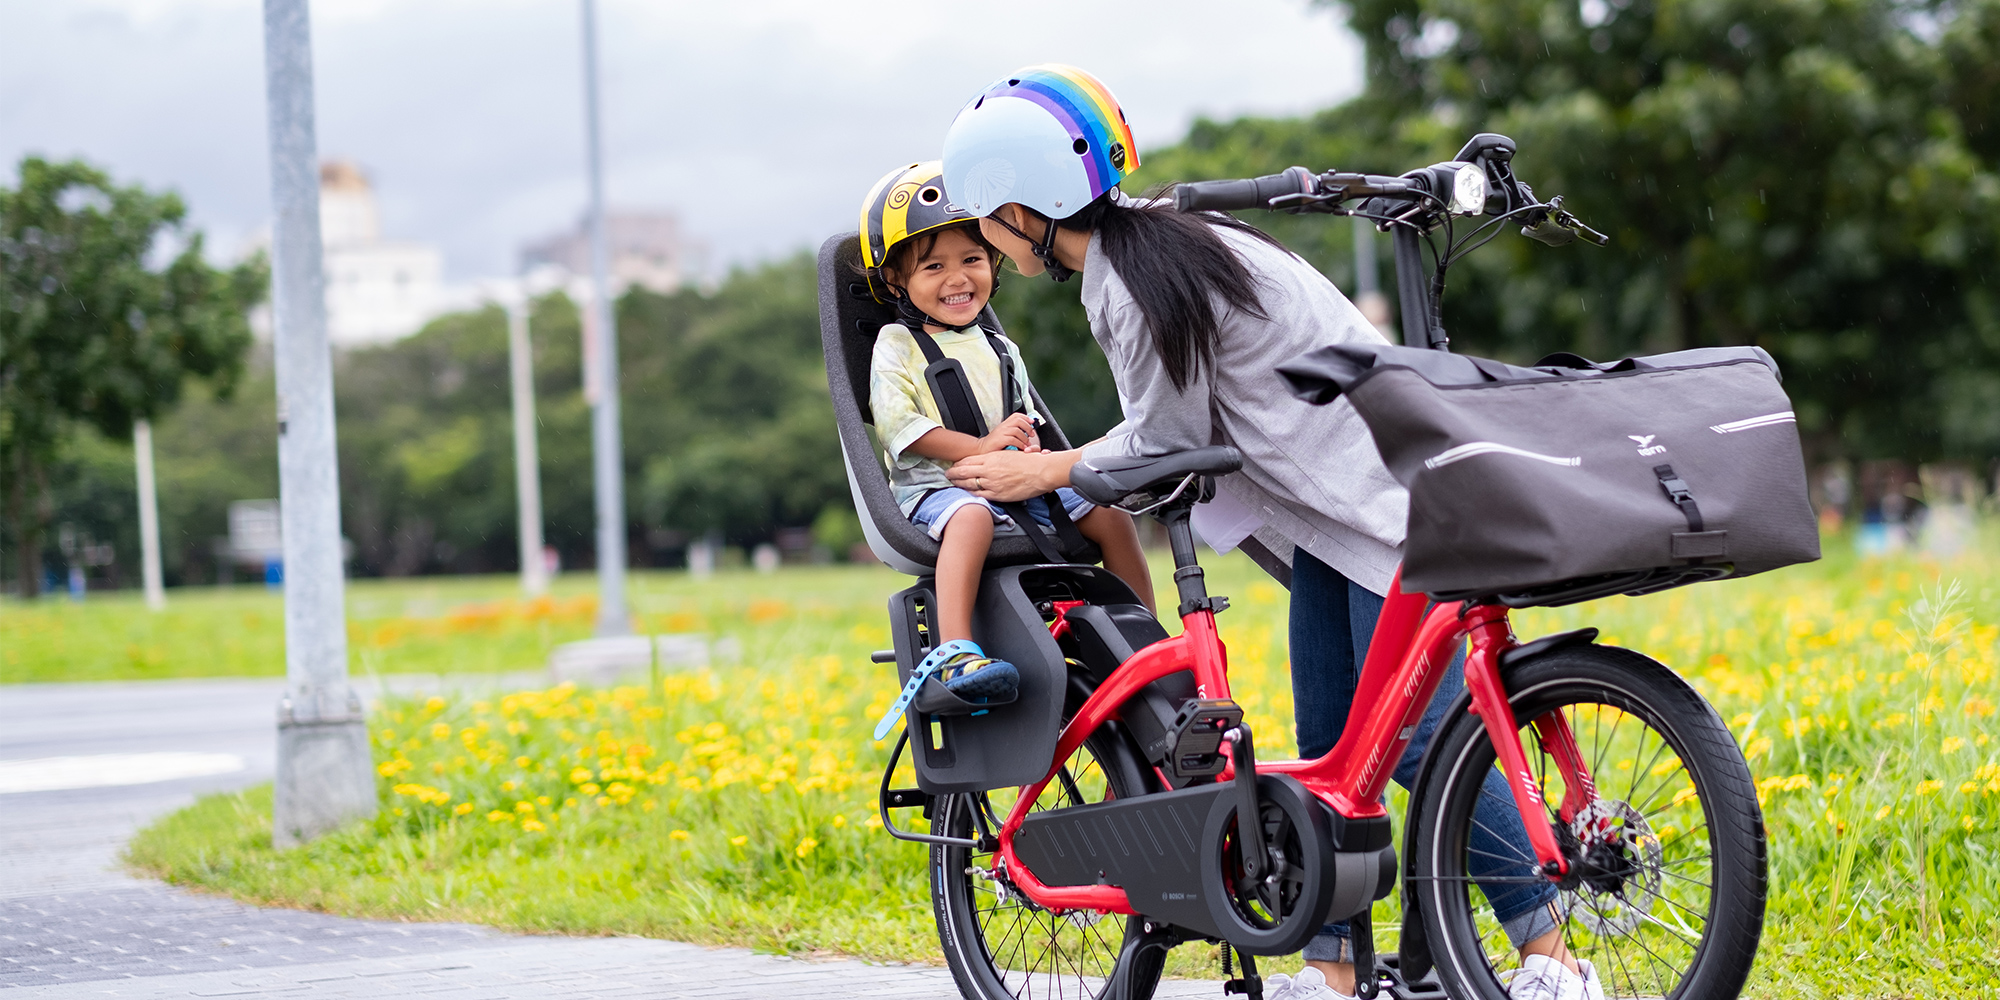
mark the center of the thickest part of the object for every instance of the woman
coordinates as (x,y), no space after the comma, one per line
(1195,313)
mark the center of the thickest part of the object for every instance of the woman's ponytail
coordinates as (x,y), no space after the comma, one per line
(1177,267)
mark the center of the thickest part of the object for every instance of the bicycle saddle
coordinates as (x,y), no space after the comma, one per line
(1107,481)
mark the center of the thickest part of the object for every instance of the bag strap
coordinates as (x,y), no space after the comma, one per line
(1678,492)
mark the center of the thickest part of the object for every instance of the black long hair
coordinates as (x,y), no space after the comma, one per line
(1176,266)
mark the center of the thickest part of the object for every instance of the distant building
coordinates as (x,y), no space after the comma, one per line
(376,290)
(647,249)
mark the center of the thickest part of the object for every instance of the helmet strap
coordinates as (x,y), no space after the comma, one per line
(1043,249)
(907,312)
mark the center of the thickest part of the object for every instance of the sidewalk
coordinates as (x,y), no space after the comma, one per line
(72,925)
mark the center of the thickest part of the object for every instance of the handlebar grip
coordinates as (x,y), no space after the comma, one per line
(1252,192)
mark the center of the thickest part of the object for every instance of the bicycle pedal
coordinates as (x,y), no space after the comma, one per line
(1195,738)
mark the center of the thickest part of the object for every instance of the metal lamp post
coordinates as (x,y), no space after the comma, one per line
(527,461)
(324,774)
(607,448)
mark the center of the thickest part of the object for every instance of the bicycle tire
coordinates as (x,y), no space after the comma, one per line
(1648,848)
(987,939)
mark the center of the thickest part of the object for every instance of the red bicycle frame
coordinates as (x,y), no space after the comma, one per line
(1413,646)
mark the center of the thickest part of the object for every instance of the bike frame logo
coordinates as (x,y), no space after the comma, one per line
(1646,446)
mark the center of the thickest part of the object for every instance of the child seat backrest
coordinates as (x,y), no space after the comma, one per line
(849,319)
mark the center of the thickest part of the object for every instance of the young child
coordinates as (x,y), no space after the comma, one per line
(926,256)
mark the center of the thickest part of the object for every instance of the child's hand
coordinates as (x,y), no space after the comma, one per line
(1017,431)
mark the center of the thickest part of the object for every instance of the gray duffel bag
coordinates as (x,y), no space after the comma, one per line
(1574,480)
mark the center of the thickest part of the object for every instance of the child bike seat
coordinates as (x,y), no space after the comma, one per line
(849,320)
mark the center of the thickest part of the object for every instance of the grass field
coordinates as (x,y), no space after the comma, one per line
(737,805)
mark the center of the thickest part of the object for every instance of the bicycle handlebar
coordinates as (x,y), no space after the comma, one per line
(1251,192)
(1439,189)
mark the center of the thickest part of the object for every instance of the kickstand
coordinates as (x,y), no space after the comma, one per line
(1367,981)
(1251,985)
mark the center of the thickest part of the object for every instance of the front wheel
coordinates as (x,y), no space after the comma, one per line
(1665,893)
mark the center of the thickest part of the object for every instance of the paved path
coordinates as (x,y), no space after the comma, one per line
(72,925)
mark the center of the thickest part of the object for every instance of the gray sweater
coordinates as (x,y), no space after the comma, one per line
(1311,472)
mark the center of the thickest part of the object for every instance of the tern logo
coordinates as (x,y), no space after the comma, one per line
(1646,445)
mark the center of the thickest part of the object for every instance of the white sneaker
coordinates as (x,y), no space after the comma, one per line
(1309,984)
(1543,978)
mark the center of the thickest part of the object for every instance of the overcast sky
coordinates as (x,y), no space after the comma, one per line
(761,122)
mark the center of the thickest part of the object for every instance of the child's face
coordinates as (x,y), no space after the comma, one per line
(952,282)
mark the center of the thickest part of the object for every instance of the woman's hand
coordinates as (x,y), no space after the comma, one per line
(1007,476)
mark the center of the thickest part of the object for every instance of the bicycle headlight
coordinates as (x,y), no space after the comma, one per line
(1468,190)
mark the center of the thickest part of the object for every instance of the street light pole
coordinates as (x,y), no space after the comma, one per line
(324,774)
(149,515)
(607,449)
(527,461)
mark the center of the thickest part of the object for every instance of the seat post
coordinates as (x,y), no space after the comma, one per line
(1187,571)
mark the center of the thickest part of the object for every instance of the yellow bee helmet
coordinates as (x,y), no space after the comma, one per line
(908,201)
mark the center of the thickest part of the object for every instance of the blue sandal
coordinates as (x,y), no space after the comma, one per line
(966,671)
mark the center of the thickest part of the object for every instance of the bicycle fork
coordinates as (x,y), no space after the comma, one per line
(1491,635)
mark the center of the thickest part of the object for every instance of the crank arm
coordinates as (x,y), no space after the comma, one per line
(1249,815)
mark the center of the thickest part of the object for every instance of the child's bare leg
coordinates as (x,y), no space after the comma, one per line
(961,555)
(1114,533)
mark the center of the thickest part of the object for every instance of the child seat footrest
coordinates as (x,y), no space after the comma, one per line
(933,698)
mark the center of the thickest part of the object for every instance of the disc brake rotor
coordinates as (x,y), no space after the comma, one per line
(1621,857)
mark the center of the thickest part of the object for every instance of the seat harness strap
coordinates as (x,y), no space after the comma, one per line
(952,390)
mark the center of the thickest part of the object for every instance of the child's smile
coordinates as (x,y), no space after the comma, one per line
(952,282)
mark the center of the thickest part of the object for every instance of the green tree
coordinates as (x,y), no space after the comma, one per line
(1817,178)
(102,319)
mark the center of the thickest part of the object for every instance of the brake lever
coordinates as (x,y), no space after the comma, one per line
(1555,226)
(1582,229)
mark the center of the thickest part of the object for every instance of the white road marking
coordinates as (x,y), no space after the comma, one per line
(48,774)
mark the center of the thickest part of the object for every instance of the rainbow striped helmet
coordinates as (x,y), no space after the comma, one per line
(1050,137)
(908,201)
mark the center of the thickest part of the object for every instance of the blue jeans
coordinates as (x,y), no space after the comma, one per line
(1332,621)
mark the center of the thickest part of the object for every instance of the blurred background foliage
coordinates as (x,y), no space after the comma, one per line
(1817,177)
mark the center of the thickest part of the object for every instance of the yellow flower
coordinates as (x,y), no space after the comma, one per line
(1882,813)
(805,847)
(1928,787)
(532,826)
(461,809)
(1952,745)
(1969,822)
(499,816)
(588,787)
(840,821)
(739,840)
(679,835)
(524,806)
(524,762)
(579,776)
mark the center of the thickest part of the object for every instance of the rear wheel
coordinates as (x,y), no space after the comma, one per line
(1001,946)
(1665,895)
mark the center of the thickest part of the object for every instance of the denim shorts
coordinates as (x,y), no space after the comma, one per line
(936,509)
